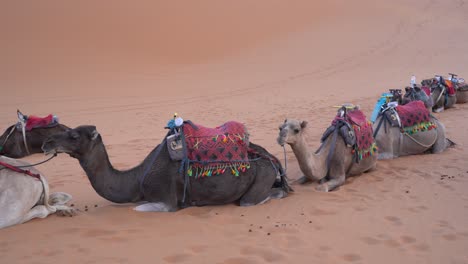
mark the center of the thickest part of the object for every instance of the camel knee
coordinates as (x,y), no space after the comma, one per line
(38,211)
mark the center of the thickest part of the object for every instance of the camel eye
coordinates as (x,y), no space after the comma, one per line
(296,131)
(74,136)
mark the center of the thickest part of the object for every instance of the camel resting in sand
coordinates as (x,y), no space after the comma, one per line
(27,135)
(336,158)
(160,180)
(407,130)
(24,197)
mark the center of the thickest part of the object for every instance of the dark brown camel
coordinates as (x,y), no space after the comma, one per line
(13,144)
(158,181)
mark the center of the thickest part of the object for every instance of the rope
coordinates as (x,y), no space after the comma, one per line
(39,163)
(17,169)
(419,143)
(285,161)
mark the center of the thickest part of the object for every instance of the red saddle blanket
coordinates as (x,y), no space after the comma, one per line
(212,150)
(427,90)
(413,113)
(363,131)
(36,122)
(450,87)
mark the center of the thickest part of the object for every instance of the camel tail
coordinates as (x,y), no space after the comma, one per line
(449,143)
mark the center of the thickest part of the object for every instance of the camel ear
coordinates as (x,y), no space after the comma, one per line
(94,134)
(303,124)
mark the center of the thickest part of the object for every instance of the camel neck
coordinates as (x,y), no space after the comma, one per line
(312,165)
(111,184)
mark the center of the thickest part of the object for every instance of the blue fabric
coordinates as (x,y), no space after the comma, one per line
(378,106)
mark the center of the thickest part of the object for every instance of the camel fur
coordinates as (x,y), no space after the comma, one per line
(23,197)
(313,164)
(158,179)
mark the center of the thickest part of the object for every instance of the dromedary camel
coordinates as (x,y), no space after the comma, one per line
(26,137)
(408,130)
(443,94)
(417,93)
(160,181)
(24,196)
(337,157)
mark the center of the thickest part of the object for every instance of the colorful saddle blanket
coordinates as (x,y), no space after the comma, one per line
(357,133)
(427,90)
(413,117)
(213,150)
(450,88)
(364,133)
(412,113)
(40,122)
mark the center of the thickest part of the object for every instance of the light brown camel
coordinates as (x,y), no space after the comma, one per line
(24,197)
(341,160)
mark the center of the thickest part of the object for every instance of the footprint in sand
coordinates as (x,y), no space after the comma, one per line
(394,220)
(239,260)
(351,257)
(266,254)
(176,258)
(450,237)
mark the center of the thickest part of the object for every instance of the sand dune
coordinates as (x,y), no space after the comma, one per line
(127,68)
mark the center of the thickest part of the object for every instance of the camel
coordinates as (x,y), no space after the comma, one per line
(159,181)
(24,197)
(443,96)
(19,142)
(461,88)
(398,135)
(333,162)
(417,93)
(462,94)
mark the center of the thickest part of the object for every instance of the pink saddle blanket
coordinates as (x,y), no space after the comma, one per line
(362,129)
(226,143)
(38,122)
(413,113)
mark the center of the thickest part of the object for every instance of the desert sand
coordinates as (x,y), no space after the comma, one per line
(127,67)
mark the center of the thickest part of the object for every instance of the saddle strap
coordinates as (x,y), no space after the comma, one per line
(16,169)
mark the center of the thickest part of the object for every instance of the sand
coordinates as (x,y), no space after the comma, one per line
(126,68)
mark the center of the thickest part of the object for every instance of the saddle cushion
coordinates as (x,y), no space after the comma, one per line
(40,122)
(365,144)
(427,90)
(211,151)
(450,88)
(356,131)
(414,117)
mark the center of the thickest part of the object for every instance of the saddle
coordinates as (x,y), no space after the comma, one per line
(32,122)
(210,151)
(410,118)
(356,131)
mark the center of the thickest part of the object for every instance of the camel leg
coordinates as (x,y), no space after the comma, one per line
(302,180)
(38,211)
(331,184)
(258,194)
(153,207)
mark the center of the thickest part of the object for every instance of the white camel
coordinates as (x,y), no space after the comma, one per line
(24,197)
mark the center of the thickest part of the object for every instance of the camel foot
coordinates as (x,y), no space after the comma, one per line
(152,207)
(301,180)
(438,110)
(277,193)
(323,187)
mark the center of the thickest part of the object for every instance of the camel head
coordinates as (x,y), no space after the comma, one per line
(290,131)
(75,142)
